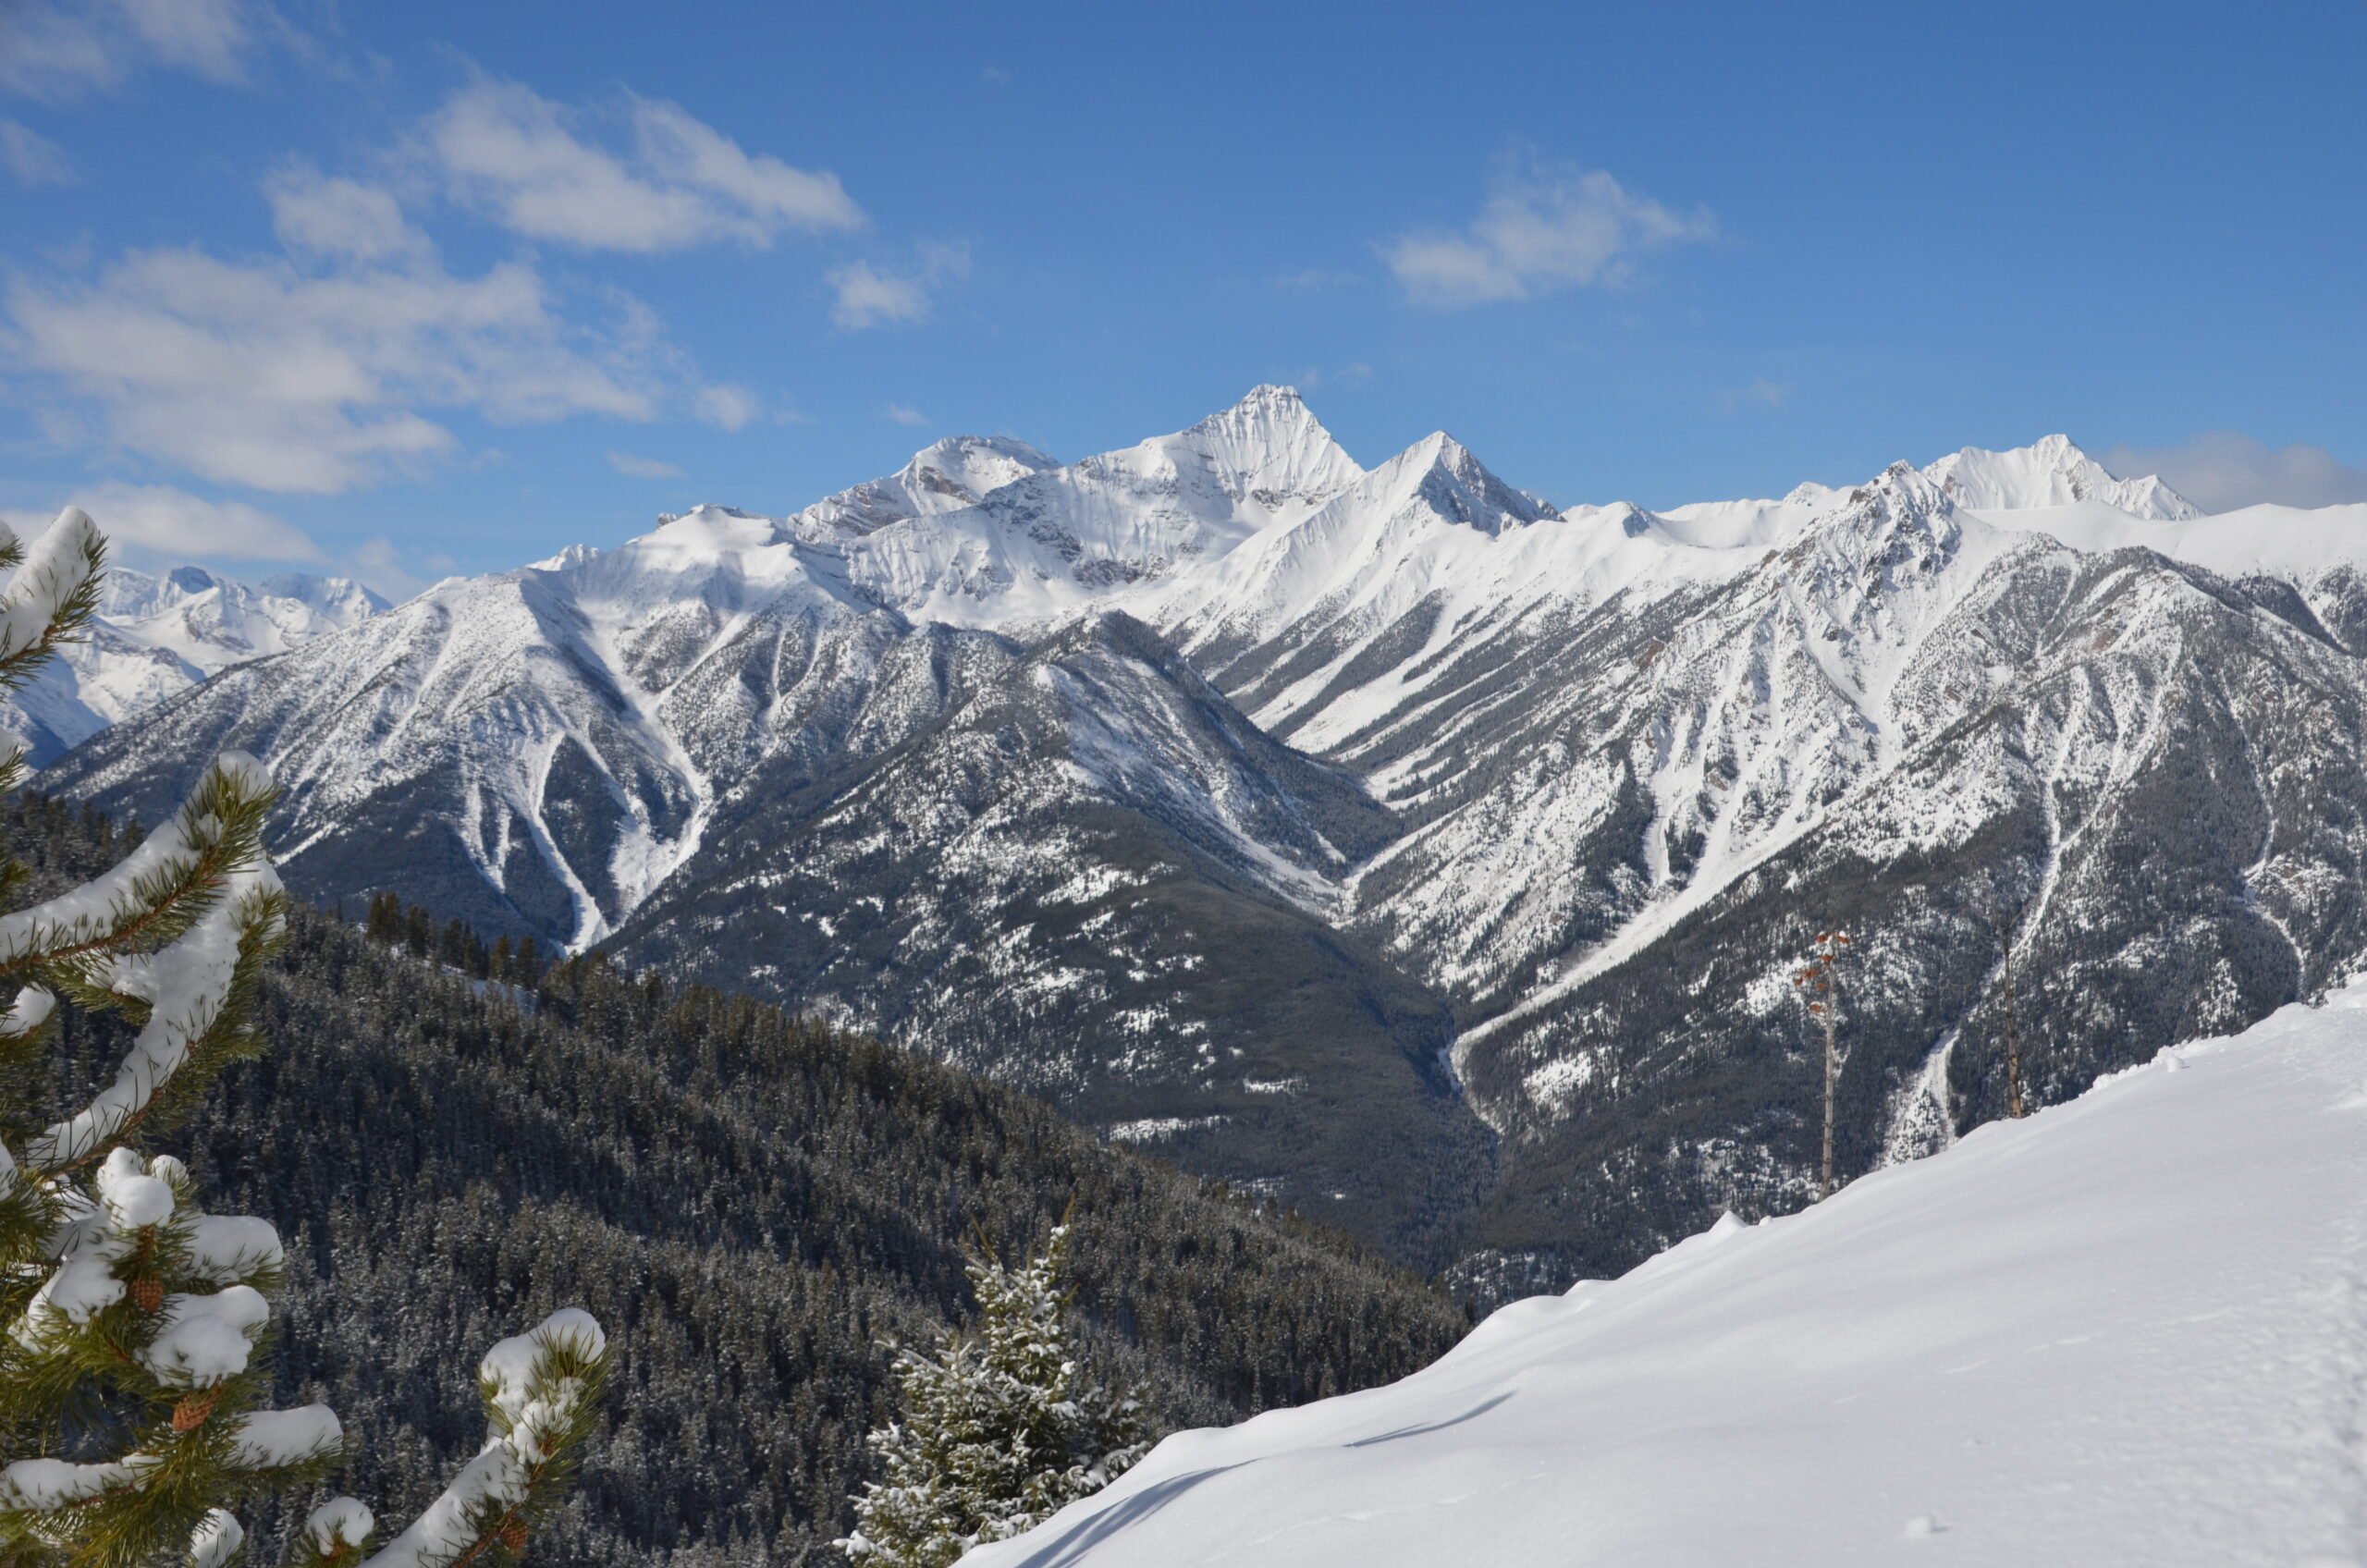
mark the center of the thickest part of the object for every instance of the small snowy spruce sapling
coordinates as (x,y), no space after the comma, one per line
(134,1327)
(1000,1427)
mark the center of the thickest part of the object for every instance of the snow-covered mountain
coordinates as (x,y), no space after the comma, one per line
(2052,472)
(2128,1330)
(1388,840)
(156,636)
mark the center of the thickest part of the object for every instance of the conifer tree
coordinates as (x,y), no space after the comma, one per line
(1002,1428)
(134,1327)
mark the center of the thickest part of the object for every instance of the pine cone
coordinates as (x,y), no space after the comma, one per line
(513,1536)
(190,1413)
(148,1294)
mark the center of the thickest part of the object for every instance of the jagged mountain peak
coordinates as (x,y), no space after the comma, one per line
(1268,449)
(961,470)
(341,599)
(1899,515)
(1455,485)
(944,476)
(1264,405)
(2052,472)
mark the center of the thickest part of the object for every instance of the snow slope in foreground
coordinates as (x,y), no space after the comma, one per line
(2131,1329)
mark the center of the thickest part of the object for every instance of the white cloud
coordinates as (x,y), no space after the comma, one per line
(642,468)
(725,406)
(1545,227)
(899,414)
(337,217)
(35,159)
(1309,377)
(375,563)
(52,50)
(771,193)
(210,37)
(1762,393)
(268,374)
(869,296)
(175,522)
(509,152)
(2221,470)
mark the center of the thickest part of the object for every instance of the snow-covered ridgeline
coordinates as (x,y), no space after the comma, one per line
(1252,529)
(2131,1328)
(156,636)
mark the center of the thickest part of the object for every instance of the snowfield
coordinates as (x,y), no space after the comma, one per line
(2131,1328)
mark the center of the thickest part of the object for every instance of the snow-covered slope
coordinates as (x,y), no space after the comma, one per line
(2129,1329)
(156,636)
(2291,542)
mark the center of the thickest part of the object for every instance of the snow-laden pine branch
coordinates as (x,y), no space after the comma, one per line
(132,1321)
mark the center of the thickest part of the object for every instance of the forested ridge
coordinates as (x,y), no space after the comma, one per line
(750,1203)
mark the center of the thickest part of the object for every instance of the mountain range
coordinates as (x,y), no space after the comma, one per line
(156,636)
(1388,841)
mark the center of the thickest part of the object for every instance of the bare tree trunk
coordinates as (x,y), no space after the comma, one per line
(1824,1184)
(2006,929)
(2013,1045)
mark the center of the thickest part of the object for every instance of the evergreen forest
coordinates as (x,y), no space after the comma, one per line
(453,1140)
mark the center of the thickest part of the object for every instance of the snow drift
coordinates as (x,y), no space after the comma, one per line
(2131,1328)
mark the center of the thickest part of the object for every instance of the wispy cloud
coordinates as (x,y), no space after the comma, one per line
(377,563)
(54,51)
(341,218)
(174,523)
(517,157)
(1311,378)
(642,468)
(1761,394)
(2221,470)
(1545,227)
(35,159)
(899,414)
(1315,280)
(317,372)
(725,406)
(873,295)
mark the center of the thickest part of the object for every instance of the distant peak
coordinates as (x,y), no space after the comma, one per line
(1457,485)
(2051,471)
(1266,407)
(709,507)
(936,454)
(1269,447)
(1438,449)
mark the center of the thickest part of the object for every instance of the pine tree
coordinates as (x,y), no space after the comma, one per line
(1002,1428)
(135,1358)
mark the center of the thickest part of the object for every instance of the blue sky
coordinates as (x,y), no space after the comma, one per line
(411,289)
